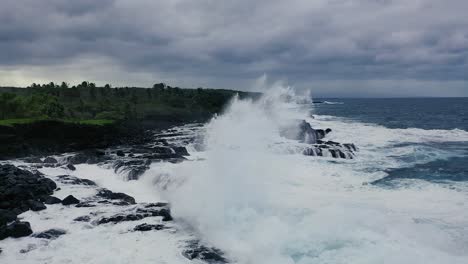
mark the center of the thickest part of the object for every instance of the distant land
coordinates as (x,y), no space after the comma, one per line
(66,118)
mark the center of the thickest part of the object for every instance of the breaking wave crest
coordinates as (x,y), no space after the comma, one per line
(262,206)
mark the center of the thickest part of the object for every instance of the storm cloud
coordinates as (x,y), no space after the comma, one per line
(334,47)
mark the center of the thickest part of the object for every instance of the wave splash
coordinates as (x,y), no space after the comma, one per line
(262,206)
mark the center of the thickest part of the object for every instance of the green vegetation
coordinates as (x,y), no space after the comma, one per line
(88,104)
(17,121)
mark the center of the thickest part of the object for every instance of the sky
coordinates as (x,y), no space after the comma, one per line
(335,48)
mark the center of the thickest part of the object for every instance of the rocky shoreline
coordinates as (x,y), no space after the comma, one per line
(26,193)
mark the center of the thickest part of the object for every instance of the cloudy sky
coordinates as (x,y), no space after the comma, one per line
(333,47)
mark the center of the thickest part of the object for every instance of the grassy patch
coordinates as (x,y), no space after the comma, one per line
(20,121)
(17,121)
(96,122)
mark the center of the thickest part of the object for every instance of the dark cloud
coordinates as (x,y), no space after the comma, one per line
(335,46)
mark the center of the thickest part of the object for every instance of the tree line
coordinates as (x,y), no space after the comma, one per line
(88,101)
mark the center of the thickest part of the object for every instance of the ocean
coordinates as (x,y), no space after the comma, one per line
(251,193)
(430,114)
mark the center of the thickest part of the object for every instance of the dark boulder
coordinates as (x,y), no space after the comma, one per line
(139,214)
(20,189)
(104,193)
(147,227)
(71,167)
(50,234)
(15,229)
(181,151)
(68,179)
(84,218)
(50,160)
(120,153)
(51,200)
(85,204)
(70,199)
(120,218)
(208,254)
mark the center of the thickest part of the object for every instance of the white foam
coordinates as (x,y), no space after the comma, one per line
(261,206)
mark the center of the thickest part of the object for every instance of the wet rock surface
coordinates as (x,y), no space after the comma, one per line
(67,179)
(195,250)
(20,191)
(147,227)
(50,200)
(15,229)
(138,214)
(104,193)
(50,234)
(70,199)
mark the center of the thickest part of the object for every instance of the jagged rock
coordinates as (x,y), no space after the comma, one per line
(71,167)
(104,193)
(351,147)
(322,133)
(67,179)
(15,229)
(19,187)
(120,218)
(51,200)
(50,160)
(70,199)
(36,205)
(147,227)
(138,215)
(181,151)
(201,252)
(165,213)
(85,204)
(50,234)
(84,218)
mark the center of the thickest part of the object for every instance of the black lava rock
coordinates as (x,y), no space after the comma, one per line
(138,215)
(50,234)
(21,190)
(51,200)
(84,218)
(104,193)
(70,199)
(209,254)
(120,218)
(71,167)
(68,179)
(50,160)
(15,229)
(120,153)
(147,227)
